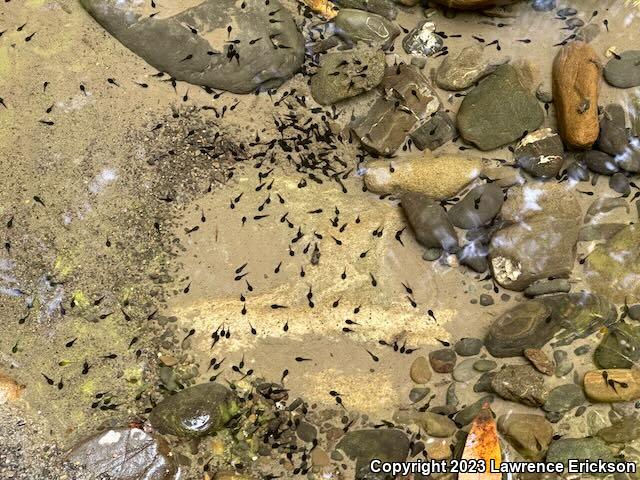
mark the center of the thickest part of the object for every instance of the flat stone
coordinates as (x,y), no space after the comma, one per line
(434,424)
(437,131)
(564,398)
(381,7)
(627,387)
(613,269)
(634,312)
(600,162)
(195,411)
(10,390)
(484,365)
(576,87)
(429,222)
(126,454)
(407,101)
(467,414)
(566,449)
(624,71)
(443,360)
(530,435)
(564,365)
(544,287)
(328,88)
(207,58)
(486,300)
(461,71)
(435,177)
(613,134)
(623,431)
(540,153)
(498,111)
(619,348)
(388,445)
(620,183)
(306,432)
(540,238)
(521,384)
(420,372)
(418,394)
(467,347)
(523,326)
(464,371)
(484,383)
(478,208)
(539,360)
(370,28)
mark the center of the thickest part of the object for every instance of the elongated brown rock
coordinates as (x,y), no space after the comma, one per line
(576,85)
(473,4)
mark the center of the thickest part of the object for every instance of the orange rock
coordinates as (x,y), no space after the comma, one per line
(483,444)
(473,4)
(576,85)
(322,7)
(10,390)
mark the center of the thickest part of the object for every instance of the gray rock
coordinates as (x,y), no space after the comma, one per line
(543,5)
(544,287)
(435,132)
(564,365)
(498,111)
(620,183)
(484,383)
(540,237)
(360,26)
(195,412)
(443,360)
(622,431)
(407,101)
(388,445)
(432,254)
(478,207)
(564,398)
(423,40)
(459,72)
(578,172)
(306,432)
(593,449)
(380,7)
(418,394)
(530,435)
(486,300)
(624,72)
(464,371)
(541,153)
(600,162)
(474,255)
(521,384)
(451,396)
(206,57)
(467,414)
(629,160)
(419,62)
(467,347)
(544,94)
(619,348)
(434,424)
(484,365)
(582,350)
(588,33)
(524,326)
(634,312)
(613,135)
(429,222)
(328,88)
(126,454)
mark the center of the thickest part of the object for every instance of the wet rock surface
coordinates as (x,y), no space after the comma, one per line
(529,434)
(521,384)
(423,40)
(622,71)
(435,132)
(205,58)
(477,208)
(461,71)
(498,111)
(369,28)
(126,454)
(429,222)
(364,445)
(540,153)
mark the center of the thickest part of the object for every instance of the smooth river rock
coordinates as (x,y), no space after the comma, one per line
(619,348)
(435,177)
(459,72)
(429,222)
(478,207)
(203,55)
(499,110)
(540,153)
(360,26)
(624,71)
(576,86)
(566,449)
(612,385)
(381,7)
(529,434)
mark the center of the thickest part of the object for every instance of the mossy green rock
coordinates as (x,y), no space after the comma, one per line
(579,449)
(620,348)
(196,411)
(613,268)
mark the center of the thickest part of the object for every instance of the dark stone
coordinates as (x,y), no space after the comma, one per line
(443,360)
(613,135)
(429,222)
(619,348)
(168,45)
(543,5)
(388,445)
(620,183)
(478,207)
(437,131)
(520,383)
(624,72)
(423,40)
(600,162)
(541,153)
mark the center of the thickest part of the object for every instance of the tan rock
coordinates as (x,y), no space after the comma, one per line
(435,177)
(319,458)
(576,86)
(540,360)
(420,371)
(228,475)
(10,390)
(473,4)
(438,448)
(613,385)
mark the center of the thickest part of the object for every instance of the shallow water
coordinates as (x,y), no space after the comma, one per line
(151,244)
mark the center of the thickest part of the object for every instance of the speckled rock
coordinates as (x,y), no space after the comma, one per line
(623,71)
(599,389)
(523,326)
(459,72)
(429,222)
(443,360)
(478,207)
(540,153)
(370,28)
(206,57)
(530,435)
(126,454)
(566,449)
(544,287)
(576,87)
(541,236)
(196,411)
(423,40)
(539,360)
(435,177)
(521,384)
(498,111)
(328,88)
(564,398)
